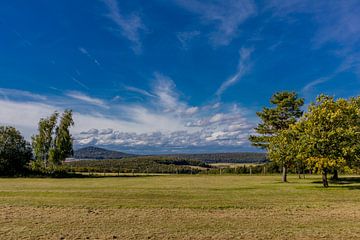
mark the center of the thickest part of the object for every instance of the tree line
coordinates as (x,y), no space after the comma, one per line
(49,148)
(325,139)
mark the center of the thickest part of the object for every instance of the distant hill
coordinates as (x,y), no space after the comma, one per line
(99,153)
(238,157)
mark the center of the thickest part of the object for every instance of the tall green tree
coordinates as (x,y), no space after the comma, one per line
(43,141)
(330,138)
(53,143)
(286,110)
(63,143)
(15,152)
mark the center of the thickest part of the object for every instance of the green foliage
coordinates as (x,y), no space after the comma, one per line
(53,143)
(164,164)
(146,164)
(63,142)
(237,157)
(283,147)
(330,134)
(43,141)
(285,112)
(15,152)
(326,139)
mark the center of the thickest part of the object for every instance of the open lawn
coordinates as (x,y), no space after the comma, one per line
(179,207)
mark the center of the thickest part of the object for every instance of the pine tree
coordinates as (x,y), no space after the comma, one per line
(286,110)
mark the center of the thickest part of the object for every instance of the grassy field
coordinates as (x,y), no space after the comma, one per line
(179,207)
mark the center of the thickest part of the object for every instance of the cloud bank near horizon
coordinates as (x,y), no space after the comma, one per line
(164,121)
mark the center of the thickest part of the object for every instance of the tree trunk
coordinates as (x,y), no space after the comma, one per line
(284,176)
(324,179)
(336,175)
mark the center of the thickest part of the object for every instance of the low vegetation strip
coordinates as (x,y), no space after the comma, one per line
(179,207)
(145,164)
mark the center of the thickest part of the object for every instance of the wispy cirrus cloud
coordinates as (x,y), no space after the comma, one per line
(243,68)
(20,94)
(225,15)
(87,99)
(311,85)
(130,26)
(139,91)
(80,83)
(337,23)
(168,98)
(88,55)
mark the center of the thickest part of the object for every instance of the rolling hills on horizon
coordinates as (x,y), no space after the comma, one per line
(97,153)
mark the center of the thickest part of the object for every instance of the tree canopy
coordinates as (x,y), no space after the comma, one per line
(53,143)
(15,152)
(329,135)
(285,111)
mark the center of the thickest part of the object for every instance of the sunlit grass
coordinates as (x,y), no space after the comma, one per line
(200,205)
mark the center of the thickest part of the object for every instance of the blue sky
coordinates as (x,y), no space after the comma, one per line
(170,76)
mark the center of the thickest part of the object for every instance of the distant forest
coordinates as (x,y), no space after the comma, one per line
(239,157)
(99,153)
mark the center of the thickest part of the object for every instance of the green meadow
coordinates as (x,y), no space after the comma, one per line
(179,207)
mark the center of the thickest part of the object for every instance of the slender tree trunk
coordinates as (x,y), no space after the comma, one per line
(336,175)
(324,179)
(284,176)
(303,171)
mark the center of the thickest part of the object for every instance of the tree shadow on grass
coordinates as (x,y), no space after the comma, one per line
(344,182)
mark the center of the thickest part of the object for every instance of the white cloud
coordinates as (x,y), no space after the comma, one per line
(23,115)
(138,90)
(314,83)
(87,54)
(87,99)
(130,26)
(8,92)
(226,15)
(192,110)
(163,121)
(164,88)
(168,98)
(243,68)
(80,83)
